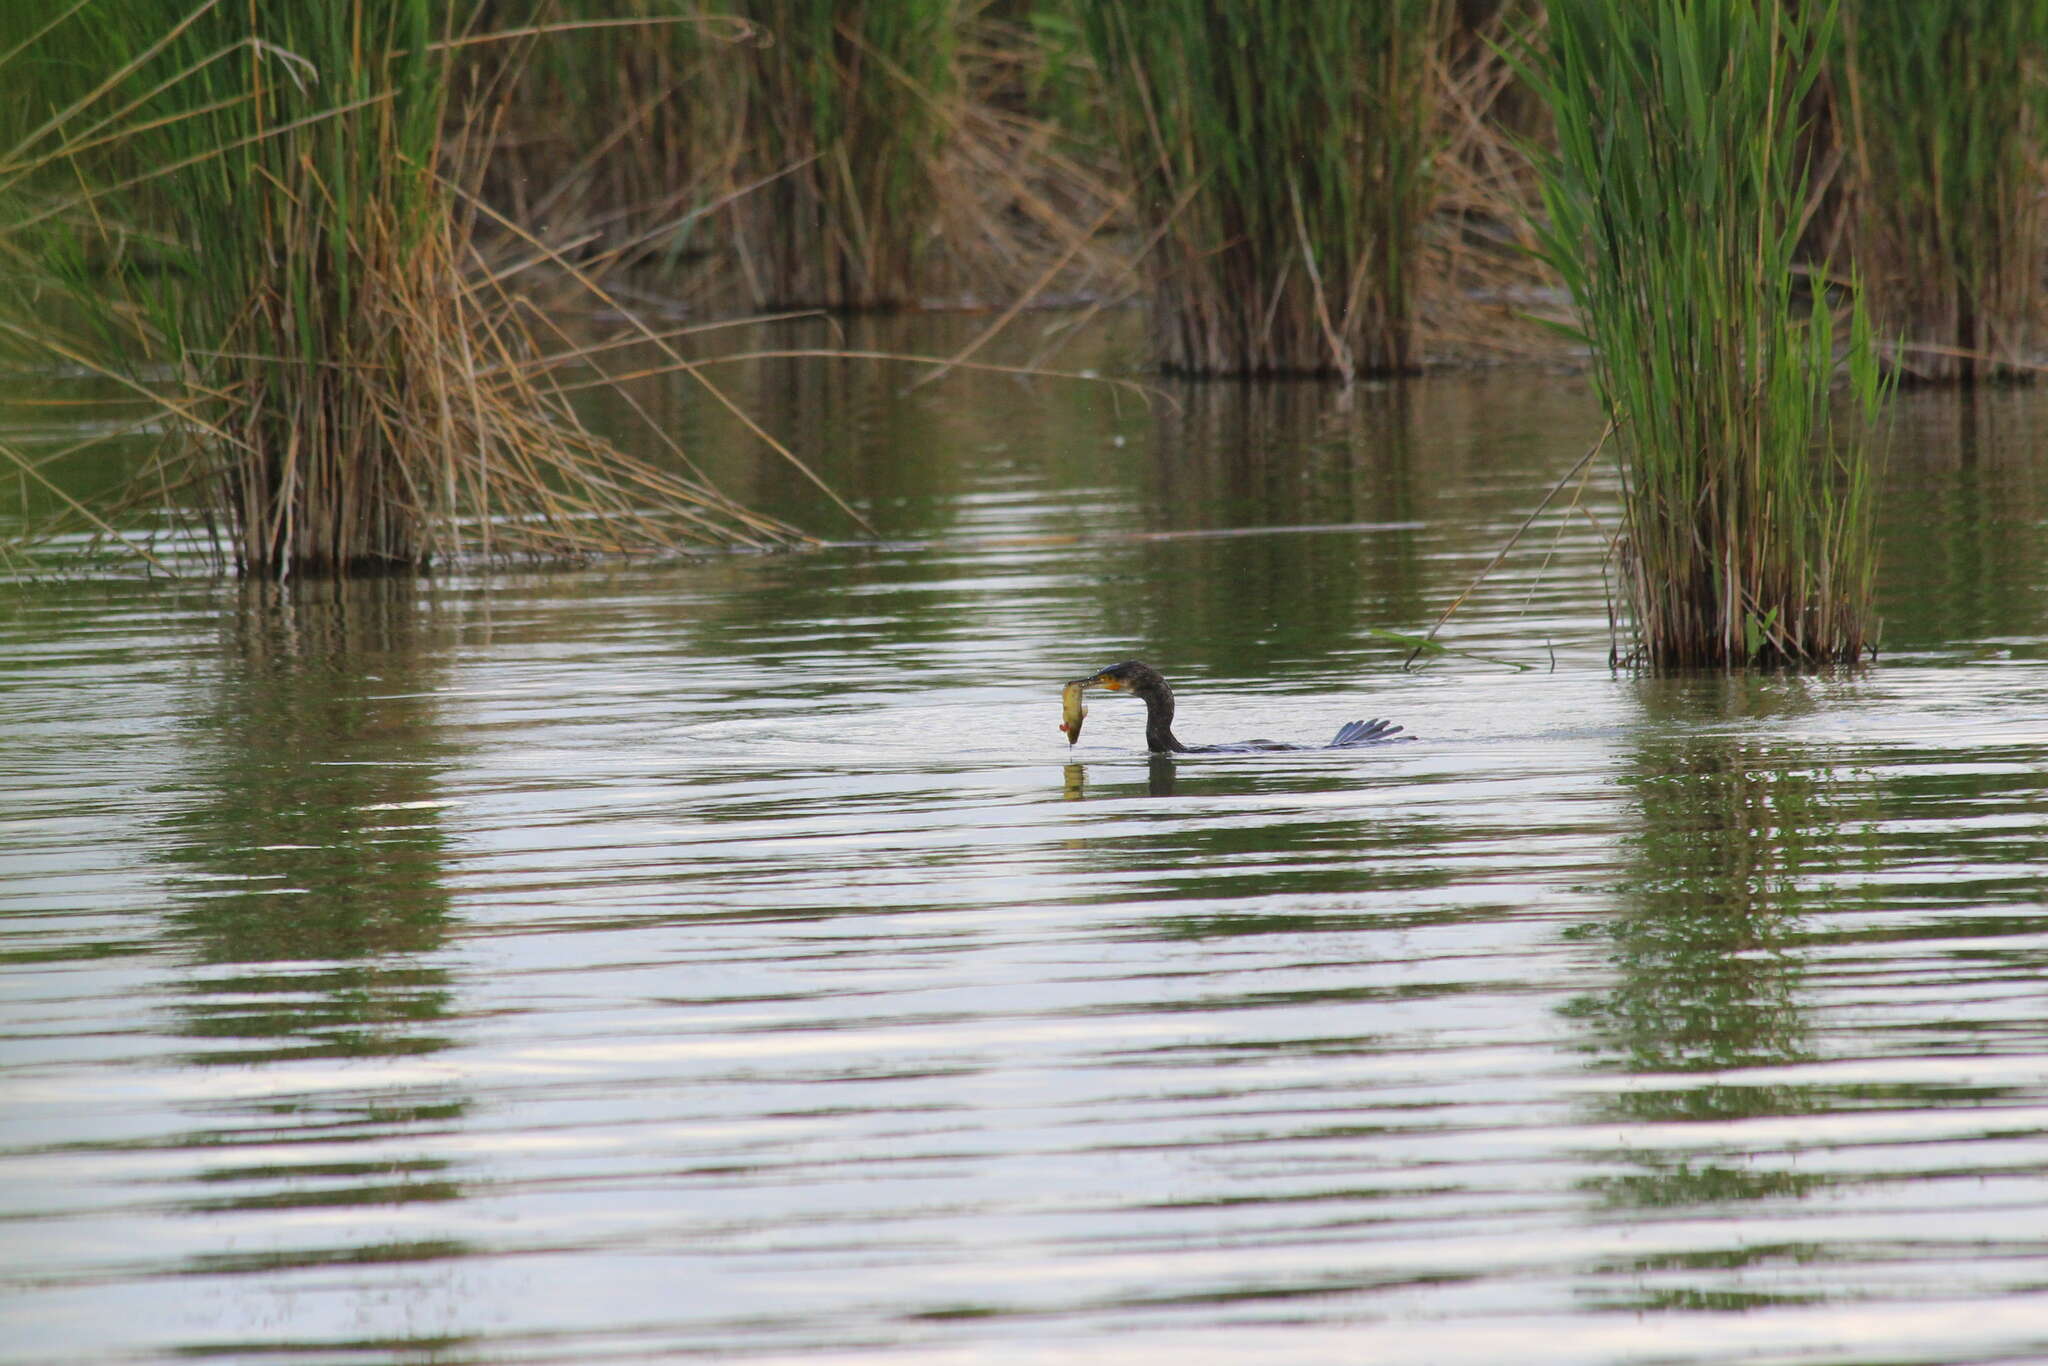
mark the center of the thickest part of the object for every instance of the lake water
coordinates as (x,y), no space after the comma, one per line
(730,959)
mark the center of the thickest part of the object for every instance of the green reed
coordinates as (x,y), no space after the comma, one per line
(1944,114)
(261,151)
(240,206)
(1676,203)
(843,109)
(1282,160)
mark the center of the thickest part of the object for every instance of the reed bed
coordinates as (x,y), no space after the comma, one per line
(599,132)
(1676,204)
(741,157)
(267,245)
(252,211)
(1943,112)
(1482,292)
(1281,159)
(1030,204)
(843,108)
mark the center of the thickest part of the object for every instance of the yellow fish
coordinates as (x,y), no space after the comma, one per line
(1073,709)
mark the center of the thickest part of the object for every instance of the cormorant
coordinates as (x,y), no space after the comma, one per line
(1144,681)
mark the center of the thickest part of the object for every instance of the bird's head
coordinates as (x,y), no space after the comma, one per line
(1129,676)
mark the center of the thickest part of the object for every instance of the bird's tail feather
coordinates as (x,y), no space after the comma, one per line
(1364,733)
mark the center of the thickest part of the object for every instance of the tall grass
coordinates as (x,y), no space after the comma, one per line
(1946,125)
(1477,274)
(1676,203)
(842,107)
(1281,153)
(748,156)
(606,136)
(246,212)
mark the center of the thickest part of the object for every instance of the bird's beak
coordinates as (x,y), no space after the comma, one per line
(1101,681)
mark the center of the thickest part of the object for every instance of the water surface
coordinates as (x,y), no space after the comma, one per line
(731,960)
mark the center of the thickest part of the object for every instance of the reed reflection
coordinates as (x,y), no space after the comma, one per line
(852,421)
(1705,949)
(311,855)
(1236,456)
(1967,495)
(310,901)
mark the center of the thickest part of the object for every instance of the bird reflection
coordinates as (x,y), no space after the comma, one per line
(1159,777)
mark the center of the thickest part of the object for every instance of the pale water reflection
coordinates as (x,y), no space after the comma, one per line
(732,961)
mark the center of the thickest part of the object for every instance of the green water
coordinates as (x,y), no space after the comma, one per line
(730,960)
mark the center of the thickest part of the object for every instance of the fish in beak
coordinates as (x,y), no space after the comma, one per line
(1073,709)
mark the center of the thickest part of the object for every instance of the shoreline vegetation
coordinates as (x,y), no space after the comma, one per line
(312,237)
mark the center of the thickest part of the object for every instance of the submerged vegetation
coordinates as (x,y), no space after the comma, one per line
(1748,535)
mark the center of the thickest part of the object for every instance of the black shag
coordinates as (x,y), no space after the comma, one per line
(1144,681)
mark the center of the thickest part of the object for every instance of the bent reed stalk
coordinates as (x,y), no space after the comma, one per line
(349,393)
(1676,203)
(1945,122)
(1281,158)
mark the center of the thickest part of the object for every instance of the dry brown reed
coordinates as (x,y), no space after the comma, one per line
(1027,211)
(458,441)
(1483,293)
(775,155)
(598,135)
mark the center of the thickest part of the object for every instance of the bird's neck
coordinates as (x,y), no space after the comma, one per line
(1159,736)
